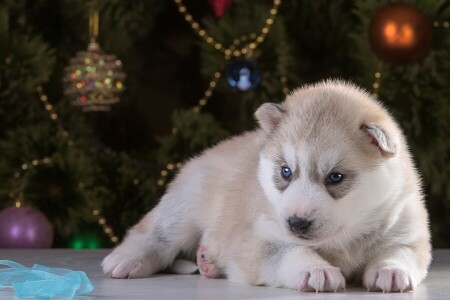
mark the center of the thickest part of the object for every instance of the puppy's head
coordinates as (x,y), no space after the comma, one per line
(330,163)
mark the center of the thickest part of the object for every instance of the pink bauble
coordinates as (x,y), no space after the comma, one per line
(24,227)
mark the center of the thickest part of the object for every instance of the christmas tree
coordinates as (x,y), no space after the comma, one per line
(195,73)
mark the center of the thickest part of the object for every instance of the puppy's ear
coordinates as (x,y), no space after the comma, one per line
(269,115)
(380,138)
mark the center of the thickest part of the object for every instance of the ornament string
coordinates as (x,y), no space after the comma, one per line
(255,39)
(442,24)
(17,195)
(376,85)
(93,22)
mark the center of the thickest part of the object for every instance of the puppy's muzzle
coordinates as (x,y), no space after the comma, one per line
(299,225)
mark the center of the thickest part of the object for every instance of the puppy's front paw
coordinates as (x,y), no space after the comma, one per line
(120,264)
(388,279)
(321,279)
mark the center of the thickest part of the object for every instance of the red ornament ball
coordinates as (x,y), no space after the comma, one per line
(220,7)
(24,227)
(399,33)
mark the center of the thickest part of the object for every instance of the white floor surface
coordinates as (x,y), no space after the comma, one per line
(166,286)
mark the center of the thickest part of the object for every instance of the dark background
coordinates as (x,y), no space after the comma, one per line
(168,69)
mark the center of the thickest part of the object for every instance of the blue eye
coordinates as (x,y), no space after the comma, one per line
(286,172)
(335,177)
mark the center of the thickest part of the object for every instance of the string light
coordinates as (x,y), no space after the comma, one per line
(171,167)
(207,94)
(376,85)
(442,24)
(231,51)
(106,228)
(34,163)
(285,89)
(26,167)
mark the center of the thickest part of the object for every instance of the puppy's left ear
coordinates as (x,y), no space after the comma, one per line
(384,140)
(269,116)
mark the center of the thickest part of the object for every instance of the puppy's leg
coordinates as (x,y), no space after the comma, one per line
(396,270)
(285,265)
(207,264)
(209,253)
(157,239)
(303,269)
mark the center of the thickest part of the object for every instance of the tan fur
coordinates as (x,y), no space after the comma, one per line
(223,199)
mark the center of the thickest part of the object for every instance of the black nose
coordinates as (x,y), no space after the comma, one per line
(298,225)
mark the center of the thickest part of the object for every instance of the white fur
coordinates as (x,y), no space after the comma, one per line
(264,176)
(228,201)
(289,154)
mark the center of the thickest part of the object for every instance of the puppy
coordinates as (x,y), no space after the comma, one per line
(324,191)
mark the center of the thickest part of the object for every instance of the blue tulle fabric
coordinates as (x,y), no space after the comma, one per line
(42,282)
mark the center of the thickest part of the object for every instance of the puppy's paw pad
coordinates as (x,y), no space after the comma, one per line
(117,265)
(206,265)
(322,279)
(388,279)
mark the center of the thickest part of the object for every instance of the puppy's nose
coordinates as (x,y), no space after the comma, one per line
(298,225)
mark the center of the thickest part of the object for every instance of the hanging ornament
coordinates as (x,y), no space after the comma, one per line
(399,33)
(86,241)
(220,7)
(242,73)
(24,227)
(94,80)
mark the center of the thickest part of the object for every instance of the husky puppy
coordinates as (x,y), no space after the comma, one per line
(325,191)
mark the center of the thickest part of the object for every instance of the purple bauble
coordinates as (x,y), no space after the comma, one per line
(24,227)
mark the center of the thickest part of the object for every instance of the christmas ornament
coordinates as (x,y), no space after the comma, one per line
(24,227)
(399,33)
(94,80)
(220,7)
(85,241)
(242,74)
